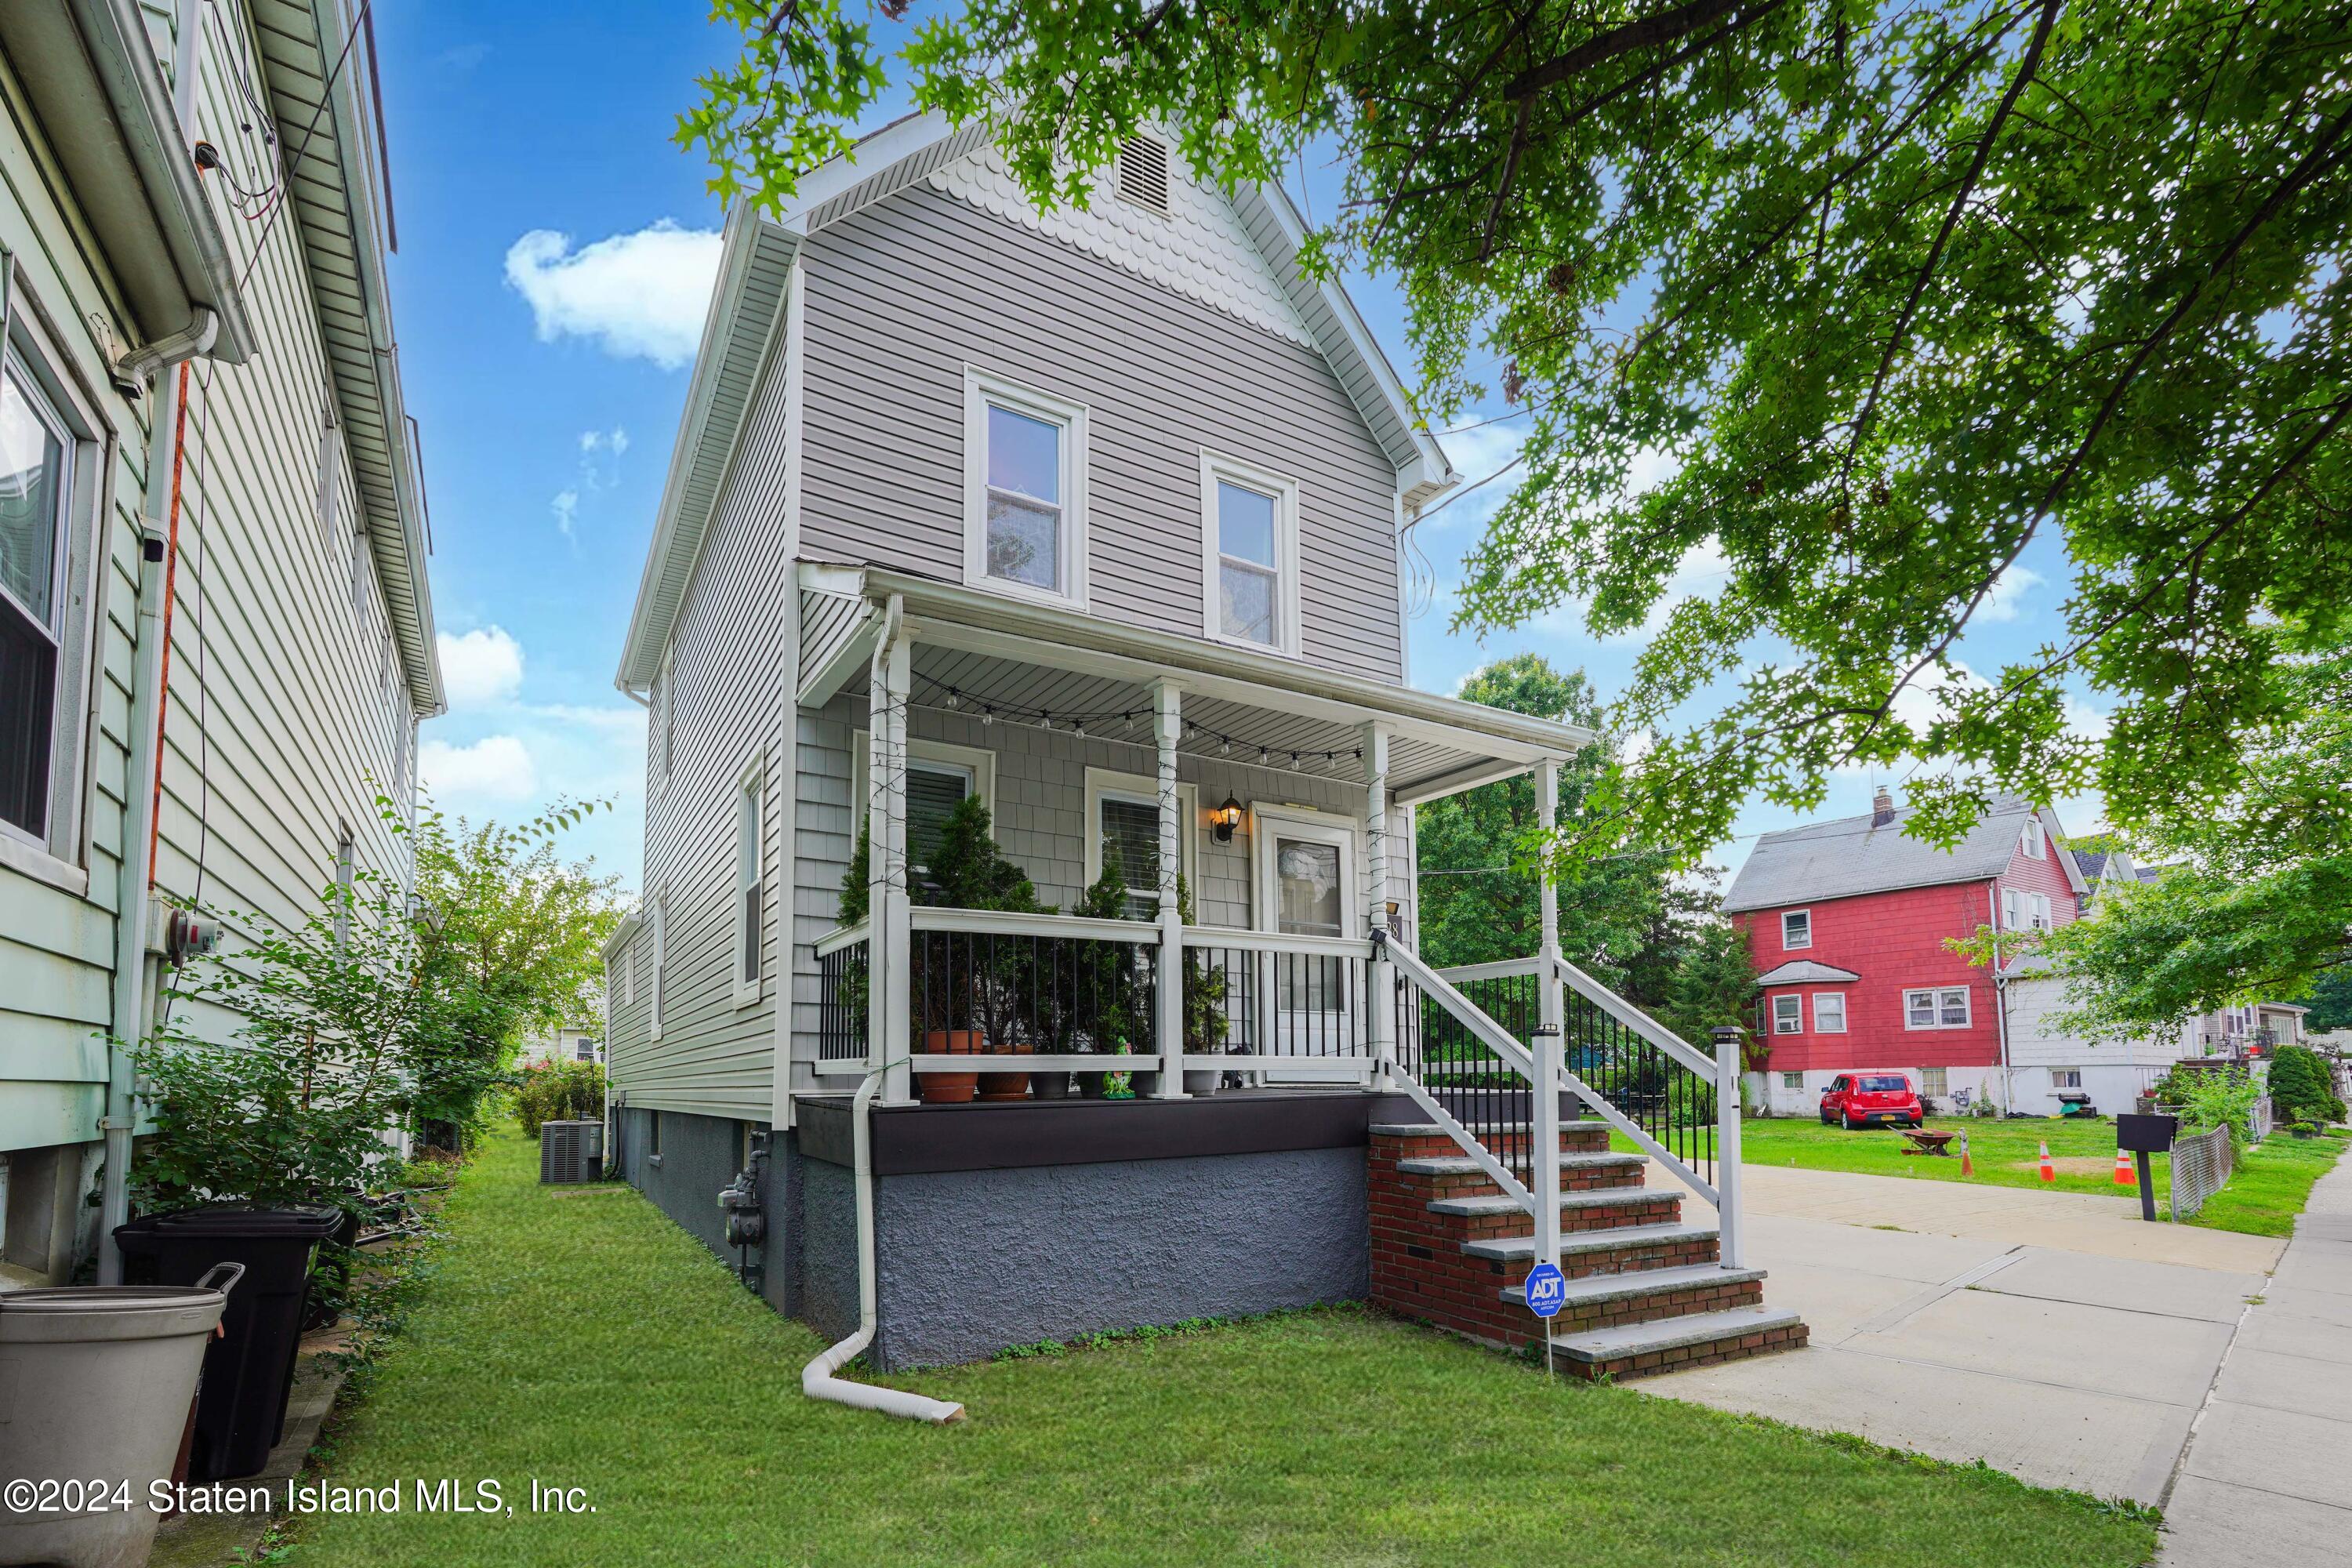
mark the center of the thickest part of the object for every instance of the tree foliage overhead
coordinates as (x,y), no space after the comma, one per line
(1898,290)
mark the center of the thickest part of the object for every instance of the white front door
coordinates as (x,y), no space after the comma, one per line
(1307,885)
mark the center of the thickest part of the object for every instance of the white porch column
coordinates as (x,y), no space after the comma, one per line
(890,1018)
(1379,982)
(1731,1219)
(1545,1171)
(1168,728)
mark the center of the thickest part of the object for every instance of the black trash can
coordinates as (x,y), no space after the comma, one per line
(249,1371)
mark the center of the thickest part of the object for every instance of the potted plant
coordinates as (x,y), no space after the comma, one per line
(984,986)
(1109,1009)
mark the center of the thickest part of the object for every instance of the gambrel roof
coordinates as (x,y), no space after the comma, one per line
(1239,255)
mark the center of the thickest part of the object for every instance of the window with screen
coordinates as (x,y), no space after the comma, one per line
(1828,1013)
(1249,531)
(1795,929)
(1788,1014)
(36,486)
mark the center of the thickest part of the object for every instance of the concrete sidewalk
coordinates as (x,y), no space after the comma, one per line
(2052,1335)
(2268,1477)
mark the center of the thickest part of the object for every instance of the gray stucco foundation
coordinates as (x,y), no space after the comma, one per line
(1029,1243)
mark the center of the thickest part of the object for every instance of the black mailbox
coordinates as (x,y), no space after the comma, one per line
(2145,1134)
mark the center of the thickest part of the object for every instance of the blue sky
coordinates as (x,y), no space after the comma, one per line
(555,256)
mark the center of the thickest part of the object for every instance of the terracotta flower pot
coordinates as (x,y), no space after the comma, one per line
(950,1088)
(1003,1085)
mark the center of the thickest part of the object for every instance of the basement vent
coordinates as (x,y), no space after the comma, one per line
(570,1152)
(1143,172)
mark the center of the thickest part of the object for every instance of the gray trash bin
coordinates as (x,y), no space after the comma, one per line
(96,1383)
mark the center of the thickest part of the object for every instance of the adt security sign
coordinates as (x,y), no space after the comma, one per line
(1547,1289)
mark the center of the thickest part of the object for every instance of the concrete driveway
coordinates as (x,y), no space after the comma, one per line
(2052,1335)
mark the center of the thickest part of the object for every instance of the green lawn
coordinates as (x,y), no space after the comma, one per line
(2263,1199)
(576,1336)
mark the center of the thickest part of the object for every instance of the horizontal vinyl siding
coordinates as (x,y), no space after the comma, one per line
(274,720)
(903,295)
(728,663)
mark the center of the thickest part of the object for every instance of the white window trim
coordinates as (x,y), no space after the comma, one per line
(1836,996)
(661,952)
(981,388)
(1794,1017)
(1967,1006)
(1792,1080)
(1213,468)
(2041,917)
(1107,782)
(981,760)
(2035,843)
(751,871)
(1788,946)
(2056,1073)
(2011,917)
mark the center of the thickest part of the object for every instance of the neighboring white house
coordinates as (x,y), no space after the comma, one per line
(569,1043)
(203,445)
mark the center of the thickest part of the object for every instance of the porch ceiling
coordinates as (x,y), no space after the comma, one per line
(1112,708)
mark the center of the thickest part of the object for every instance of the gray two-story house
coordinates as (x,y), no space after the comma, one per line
(1093,517)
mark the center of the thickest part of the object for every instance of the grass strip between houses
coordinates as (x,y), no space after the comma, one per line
(594,1344)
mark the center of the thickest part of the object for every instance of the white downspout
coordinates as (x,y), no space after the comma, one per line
(817,1379)
(2000,1001)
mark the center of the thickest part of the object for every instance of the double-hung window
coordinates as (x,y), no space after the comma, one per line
(939,778)
(2040,907)
(1795,929)
(1946,1008)
(1123,810)
(1025,491)
(1828,1012)
(1249,536)
(1789,1015)
(36,453)
(2009,918)
(2032,841)
(750,891)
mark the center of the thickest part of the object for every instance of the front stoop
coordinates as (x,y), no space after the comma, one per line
(1647,1293)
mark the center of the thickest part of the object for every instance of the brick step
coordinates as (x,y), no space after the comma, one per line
(1588,1168)
(1646,1295)
(1597,1246)
(1700,1339)
(1575,1137)
(1491,1215)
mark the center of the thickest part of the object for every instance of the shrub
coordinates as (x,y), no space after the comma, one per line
(2218,1097)
(2302,1089)
(560,1091)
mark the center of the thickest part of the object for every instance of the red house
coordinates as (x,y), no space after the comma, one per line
(1847,921)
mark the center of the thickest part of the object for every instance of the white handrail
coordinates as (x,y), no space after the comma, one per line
(1276,941)
(996,922)
(1503,969)
(834,940)
(1633,1018)
(1472,1018)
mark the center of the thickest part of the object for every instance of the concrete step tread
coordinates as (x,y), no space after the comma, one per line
(1599,1197)
(1642,1282)
(1670,1333)
(1463,1165)
(1431,1130)
(1513,1249)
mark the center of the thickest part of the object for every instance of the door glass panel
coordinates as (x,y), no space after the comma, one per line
(1307,877)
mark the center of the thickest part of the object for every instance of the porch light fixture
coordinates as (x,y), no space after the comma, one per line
(1225,819)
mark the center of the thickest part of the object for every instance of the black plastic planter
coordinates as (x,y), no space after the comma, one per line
(249,1371)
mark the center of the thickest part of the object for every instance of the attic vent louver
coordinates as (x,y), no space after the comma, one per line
(1143,172)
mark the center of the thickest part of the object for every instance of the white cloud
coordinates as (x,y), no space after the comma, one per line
(2008,590)
(640,295)
(495,768)
(484,665)
(616,441)
(566,508)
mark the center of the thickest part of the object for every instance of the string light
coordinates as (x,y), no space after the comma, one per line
(955,698)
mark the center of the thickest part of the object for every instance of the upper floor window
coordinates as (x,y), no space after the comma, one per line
(2039,911)
(1944,1009)
(1789,1015)
(2008,908)
(1249,536)
(1828,1012)
(1025,491)
(36,490)
(2032,842)
(1796,928)
(750,891)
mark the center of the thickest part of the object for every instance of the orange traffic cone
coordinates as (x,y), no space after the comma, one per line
(1967,1165)
(2124,1175)
(2049,1172)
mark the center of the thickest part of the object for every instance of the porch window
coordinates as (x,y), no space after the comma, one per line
(1828,1013)
(939,777)
(1250,554)
(1789,1015)
(1795,929)
(36,482)
(1124,811)
(1024,491)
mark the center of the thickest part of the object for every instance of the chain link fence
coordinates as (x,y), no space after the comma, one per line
(2259,1121)
(2201,1163)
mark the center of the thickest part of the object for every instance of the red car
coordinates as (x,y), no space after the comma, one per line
(1870,1099)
